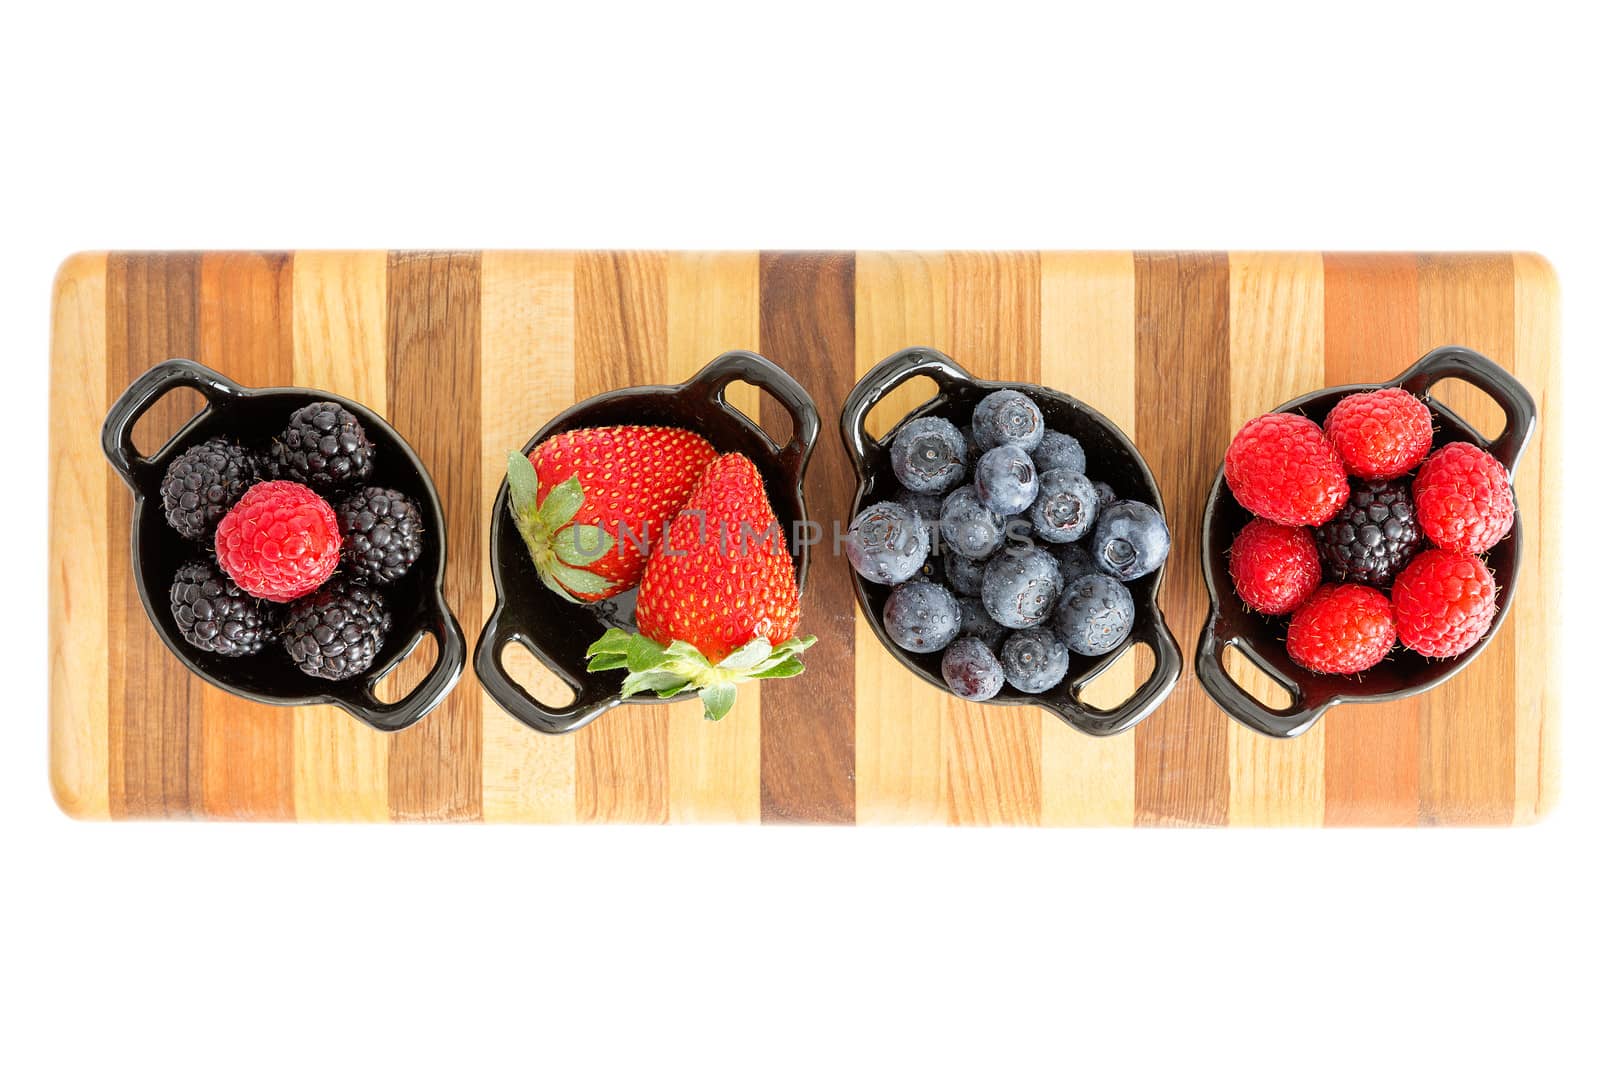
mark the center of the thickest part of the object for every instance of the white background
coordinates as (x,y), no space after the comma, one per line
(1348,126)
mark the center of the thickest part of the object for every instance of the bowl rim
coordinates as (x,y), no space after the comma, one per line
(141,474)
(868,455)
(1313,695)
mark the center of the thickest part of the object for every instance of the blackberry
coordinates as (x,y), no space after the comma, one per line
(215,615)
(1373,536)
(201,485)
(336,632)
(382,533)
(322,446)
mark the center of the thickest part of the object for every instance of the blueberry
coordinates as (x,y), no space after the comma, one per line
(921,616)
(1095,614)
(1034,660)
(967,526)
(971,440)
(1059,451)
(971,670)
(1005,480)
(1065,507)
(1107,495)
(962,573)
(1019,534)
(924,505)
(1020,589)
(1006,417)
(1130,540)
(928,455)
(975,622)
(886,543)
(1073,559)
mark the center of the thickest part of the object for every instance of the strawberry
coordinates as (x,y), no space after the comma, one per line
(589,503)
(718,604)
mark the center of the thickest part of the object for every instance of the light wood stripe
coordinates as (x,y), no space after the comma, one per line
(527,354)
(1086,349)
(1275,352)
(992,754)
(900,300)
(620,339)
(1538,606)
(713,304)
(79,637)
(341,765)
(1371,335)
(1468,760)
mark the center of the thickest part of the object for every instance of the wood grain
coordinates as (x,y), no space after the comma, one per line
(1182,385)
(1371,757)
(807,744)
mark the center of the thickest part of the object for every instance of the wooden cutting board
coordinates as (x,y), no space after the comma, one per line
(467,354)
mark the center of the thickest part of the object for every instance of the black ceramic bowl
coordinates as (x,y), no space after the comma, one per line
(254,416)
(1261,638)
(559,632)
(1113,460)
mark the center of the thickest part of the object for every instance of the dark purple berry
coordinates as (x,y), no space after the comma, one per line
(972,670)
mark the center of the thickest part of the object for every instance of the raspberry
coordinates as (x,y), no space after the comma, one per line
(1443,602)
(1274,567)
(1464,498)
(1380,434)
(1342,629)
(280,541)
(1281,467)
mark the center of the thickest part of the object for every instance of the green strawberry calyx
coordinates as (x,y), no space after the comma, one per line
(562,550)
(681,668)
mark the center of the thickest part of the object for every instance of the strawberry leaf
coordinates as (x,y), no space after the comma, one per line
(578,545)
(524,481)
(613,640)
(575,580)
(607,661)
(561,504)
(637,683)
(787,667)
(718,700)
(645,655)
(754,652)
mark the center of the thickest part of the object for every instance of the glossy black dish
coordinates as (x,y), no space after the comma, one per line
(253,416)
(559,632)
(1114,460)
(1260,638)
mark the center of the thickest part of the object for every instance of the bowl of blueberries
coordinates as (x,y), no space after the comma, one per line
(1007,542)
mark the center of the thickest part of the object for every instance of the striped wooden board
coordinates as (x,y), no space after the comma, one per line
(467,353)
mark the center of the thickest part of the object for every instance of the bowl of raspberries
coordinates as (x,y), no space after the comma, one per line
(1360,543)
(288,545)
(645,548)
(1007,542)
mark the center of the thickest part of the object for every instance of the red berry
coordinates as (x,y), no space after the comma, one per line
(1282,467)
(1464,498)
(1342,629)
(1380,434)
(1443,602)
(1274,567)
(280,541)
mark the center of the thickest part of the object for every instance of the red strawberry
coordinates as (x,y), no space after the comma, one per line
(719,603)
(1381,434)
(1342,629)
(1464,498)
(589,503)
(1274,567)
(1281,467)
(1443,602)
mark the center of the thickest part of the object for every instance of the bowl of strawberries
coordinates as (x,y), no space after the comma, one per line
(646,546)
(1360,543)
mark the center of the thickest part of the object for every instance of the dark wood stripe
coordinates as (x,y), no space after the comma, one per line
(1468,729)
(1370,330)
(1181,394)
(246,331)
(808,726)
(153,702)
(620,339)
(435,767)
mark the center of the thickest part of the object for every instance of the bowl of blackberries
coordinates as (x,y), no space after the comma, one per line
(1361,543)
(1007,542)
(288,545)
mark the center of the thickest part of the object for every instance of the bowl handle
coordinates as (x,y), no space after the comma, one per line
(1105,722)
(1242,706)
(116,434)
(711,384)
(1453,361)
(878,383)
(441,678)
(594,695)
